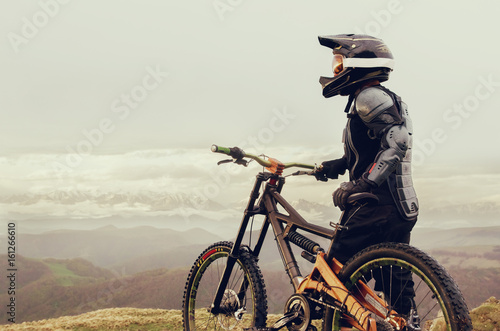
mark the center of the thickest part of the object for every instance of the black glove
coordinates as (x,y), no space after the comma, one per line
(341,194)
(331,169)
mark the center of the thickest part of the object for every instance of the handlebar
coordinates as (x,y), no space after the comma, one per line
(276,167)
(238,154)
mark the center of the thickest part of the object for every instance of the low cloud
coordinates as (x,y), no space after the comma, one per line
(147,183)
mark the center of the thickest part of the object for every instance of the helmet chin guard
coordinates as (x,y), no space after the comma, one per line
(339,84)
(365,58)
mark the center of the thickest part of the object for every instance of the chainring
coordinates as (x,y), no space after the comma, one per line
(298,303)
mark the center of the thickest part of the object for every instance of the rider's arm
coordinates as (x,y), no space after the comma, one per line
(332,169)
(380,114)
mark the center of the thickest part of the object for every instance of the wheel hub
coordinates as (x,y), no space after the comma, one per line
(230,303)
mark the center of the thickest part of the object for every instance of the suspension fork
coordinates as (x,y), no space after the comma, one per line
(260,242)
(267,222)
(255,253)
(234,254)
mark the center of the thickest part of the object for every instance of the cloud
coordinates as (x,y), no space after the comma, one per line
(187,182)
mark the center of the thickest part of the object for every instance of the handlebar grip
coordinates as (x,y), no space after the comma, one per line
(234,152)
(219,149)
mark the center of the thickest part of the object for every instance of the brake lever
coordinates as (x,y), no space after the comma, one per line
(237,161)
(241,162)
(224,161)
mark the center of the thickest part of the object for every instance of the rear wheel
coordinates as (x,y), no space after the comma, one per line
(413,283)
(239,309)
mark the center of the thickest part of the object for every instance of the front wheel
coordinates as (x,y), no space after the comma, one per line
(244,304)
(412,283)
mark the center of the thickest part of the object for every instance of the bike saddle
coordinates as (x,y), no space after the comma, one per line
(362,198)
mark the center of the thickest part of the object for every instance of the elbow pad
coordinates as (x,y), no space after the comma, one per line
(393,162)
(397,142)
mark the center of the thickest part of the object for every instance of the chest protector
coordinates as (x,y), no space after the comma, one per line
(378,144)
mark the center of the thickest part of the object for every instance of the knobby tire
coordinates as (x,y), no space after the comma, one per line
(438,300)
(202,284)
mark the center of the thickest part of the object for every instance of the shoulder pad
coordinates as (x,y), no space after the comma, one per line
(371,102)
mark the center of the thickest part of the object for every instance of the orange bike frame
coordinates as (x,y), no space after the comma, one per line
(356,306)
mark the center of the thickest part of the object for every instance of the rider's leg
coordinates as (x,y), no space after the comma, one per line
(399,231)
(372,225)
(363,228)
(397,286)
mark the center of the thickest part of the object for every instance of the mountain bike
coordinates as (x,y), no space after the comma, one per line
(225,288)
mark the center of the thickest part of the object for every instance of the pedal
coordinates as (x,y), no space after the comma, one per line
(283,321)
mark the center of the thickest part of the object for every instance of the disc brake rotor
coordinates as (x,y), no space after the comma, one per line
(231,310)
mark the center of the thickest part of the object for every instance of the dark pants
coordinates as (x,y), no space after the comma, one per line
(372,225)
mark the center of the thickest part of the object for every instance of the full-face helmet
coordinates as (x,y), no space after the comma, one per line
(356,59)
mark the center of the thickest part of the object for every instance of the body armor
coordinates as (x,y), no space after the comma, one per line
(377,143)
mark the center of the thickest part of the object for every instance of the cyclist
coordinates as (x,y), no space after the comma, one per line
(377,151)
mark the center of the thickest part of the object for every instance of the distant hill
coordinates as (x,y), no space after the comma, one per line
(135,249)
(131,250)
(484,318)
(51,288)
(476,270)
(430,238)
(480,256)
(70,272)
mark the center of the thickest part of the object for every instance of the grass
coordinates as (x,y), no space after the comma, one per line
(63,275)
(109,319)
(487,316)
(484,318)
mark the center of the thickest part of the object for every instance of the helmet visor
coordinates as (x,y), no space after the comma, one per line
(338,64)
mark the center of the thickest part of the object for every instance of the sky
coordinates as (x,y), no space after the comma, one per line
(107,97)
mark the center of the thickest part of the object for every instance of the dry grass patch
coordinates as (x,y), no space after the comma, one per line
(109,319)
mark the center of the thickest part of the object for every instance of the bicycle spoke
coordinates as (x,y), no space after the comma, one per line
(236,310)
(430,310)
(417,287)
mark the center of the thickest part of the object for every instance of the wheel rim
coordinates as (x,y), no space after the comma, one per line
(429,303)
(237,314)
